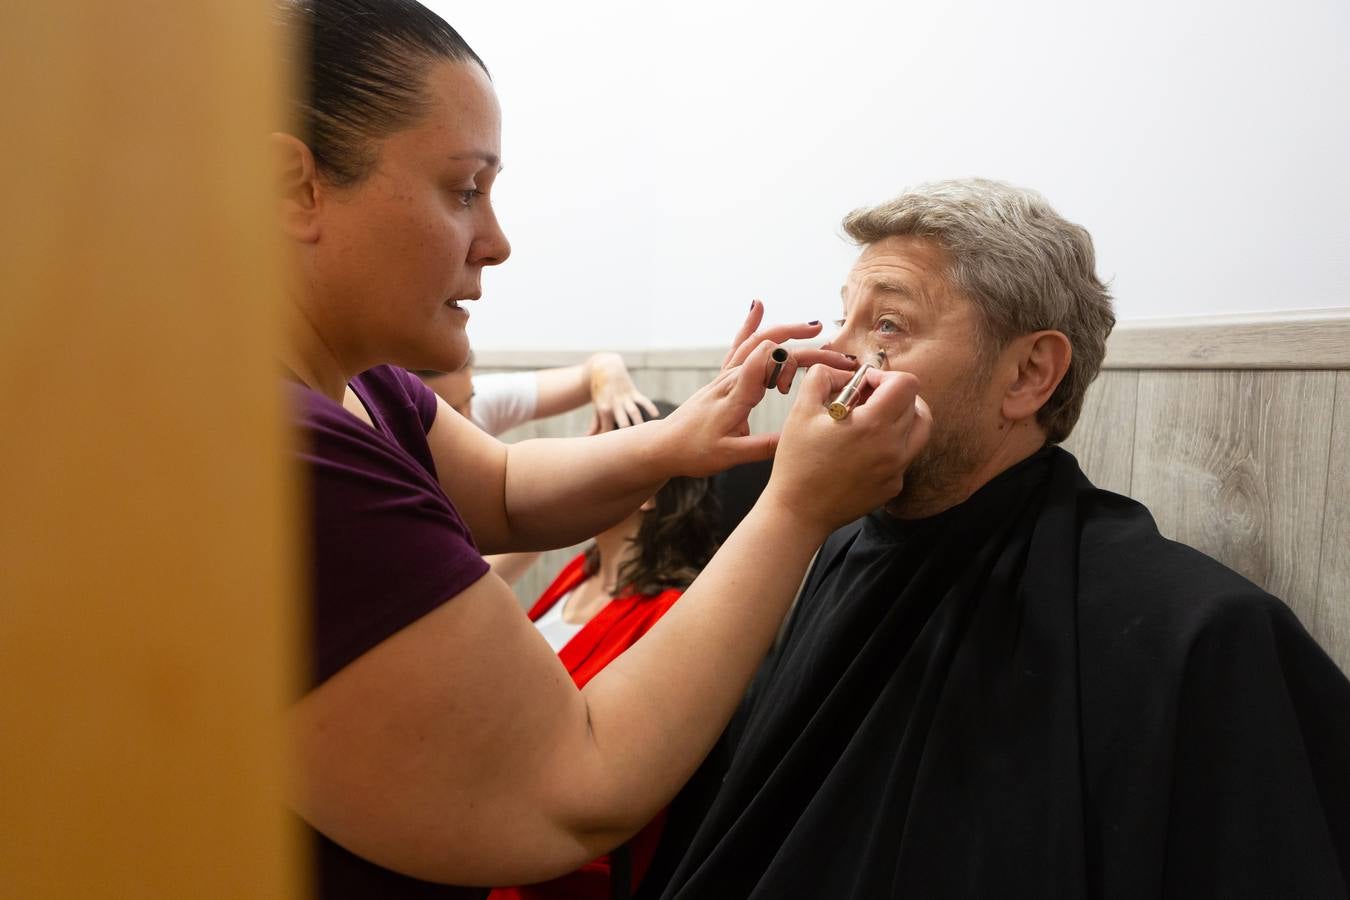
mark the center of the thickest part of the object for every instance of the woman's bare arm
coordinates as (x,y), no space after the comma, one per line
(459,750)
(547,493)
(602,380)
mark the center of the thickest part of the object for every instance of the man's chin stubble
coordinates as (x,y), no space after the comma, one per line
(935,481)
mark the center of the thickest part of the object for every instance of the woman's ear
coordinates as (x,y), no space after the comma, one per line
(648,505)
(297,187)
(1042,359)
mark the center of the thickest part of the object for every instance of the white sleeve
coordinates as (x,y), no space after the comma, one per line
(503,400)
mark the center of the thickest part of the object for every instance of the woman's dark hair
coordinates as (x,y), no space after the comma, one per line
(363,64)
(675,540)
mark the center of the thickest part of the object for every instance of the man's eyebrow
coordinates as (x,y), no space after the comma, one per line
(908,290)
(889,286)
(490,159)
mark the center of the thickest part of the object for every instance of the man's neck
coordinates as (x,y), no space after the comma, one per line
(1018,441)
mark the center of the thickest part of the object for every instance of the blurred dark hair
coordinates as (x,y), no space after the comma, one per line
(674,541)
(362,65)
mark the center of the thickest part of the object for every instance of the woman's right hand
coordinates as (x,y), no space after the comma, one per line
(829,472)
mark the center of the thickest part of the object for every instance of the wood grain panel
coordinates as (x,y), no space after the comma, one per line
(1103,439)
(1331,624)
(1295,339)
(148,593)
(1234,464)
(675,385)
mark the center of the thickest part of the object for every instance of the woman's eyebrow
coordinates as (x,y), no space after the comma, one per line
(490,159)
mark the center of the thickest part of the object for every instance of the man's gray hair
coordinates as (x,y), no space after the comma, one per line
(1023,266)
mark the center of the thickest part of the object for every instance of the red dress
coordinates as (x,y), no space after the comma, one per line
(613,630)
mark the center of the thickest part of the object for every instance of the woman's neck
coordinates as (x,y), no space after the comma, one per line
(311,358)
(594,594)
(615,546)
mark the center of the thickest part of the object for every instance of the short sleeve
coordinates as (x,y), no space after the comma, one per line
(387,545)
(503,400)
(423,398)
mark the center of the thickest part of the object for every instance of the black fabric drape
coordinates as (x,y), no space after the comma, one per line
(1032,694)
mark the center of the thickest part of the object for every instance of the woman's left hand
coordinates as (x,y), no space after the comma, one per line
(713,426)
(751,336)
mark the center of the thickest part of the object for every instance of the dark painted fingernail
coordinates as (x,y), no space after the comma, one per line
(814,322)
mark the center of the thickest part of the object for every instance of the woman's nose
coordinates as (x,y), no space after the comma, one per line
(492,247)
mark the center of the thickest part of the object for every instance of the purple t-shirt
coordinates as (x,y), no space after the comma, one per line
(387,548)
(388,545)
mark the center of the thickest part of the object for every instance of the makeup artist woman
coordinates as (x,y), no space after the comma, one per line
(440,741)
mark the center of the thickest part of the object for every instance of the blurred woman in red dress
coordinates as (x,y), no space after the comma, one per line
(598,606)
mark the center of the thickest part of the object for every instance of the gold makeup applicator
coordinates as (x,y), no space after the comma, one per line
(852,392)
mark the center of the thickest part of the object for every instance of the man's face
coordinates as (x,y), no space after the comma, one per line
(897,299)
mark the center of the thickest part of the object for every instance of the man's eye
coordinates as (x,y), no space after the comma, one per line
(838,323)
(886,326)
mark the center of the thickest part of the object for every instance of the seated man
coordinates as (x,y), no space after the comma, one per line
(1007,683)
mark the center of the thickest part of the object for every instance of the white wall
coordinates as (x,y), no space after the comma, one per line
(666,163)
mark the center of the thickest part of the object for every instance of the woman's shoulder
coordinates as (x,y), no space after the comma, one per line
(330,434)
(395,391)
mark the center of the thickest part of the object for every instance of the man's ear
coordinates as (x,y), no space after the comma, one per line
(1042,359)
(297,187)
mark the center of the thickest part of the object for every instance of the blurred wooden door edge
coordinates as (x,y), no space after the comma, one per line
(148,590)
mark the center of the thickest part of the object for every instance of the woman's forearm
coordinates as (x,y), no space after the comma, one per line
(560,491)
(459,750)
(656,711)
(562,389)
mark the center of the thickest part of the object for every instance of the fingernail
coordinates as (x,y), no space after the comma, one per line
(814,322)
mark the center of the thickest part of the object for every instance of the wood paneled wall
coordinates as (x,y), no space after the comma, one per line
(1234,431)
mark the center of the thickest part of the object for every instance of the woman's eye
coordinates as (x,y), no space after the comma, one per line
(886,326)
(838,323)
(467,197)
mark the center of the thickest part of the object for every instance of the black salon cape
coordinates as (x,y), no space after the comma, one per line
(1030,695)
